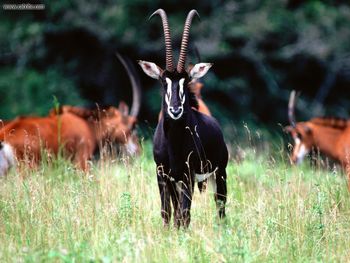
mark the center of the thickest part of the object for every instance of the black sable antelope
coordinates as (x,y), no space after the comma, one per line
(187,144)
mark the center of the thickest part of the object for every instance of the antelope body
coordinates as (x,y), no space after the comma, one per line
(187,144)
(27,136)
(331,136)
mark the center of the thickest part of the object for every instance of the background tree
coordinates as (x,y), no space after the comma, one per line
(261,50)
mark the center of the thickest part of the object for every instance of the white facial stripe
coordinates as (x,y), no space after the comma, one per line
(181,92)
(169,82)
(168,91)
(181,84)
(300,150)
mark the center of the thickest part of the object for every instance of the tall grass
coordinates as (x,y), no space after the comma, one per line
(275,213)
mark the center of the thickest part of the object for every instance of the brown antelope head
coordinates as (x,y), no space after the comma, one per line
(109,124)
(301,133)
(176,95)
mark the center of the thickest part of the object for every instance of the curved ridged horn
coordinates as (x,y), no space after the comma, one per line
(184,42)
(135,84)
(167,38)
(291,106)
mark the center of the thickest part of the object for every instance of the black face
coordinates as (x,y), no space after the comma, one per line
(175,93)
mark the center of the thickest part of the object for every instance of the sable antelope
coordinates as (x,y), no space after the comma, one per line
(330,136)
(79,130)
(25,137)
(187,144)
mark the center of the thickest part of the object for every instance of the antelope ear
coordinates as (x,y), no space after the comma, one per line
(123,108)
(199,70)
(151,69)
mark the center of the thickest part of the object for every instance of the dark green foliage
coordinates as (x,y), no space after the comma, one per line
(32,93)
(261,50)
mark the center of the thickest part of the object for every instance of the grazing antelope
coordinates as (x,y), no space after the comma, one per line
(330,136)
(78,130)
(187,144)
(108,125)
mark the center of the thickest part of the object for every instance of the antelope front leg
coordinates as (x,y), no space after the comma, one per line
(175,198)
(185,192)
(164,198)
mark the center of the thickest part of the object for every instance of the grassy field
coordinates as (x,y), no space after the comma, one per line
(275,213)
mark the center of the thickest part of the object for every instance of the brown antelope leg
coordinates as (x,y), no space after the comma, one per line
(83,154)
(221,192)
(164,198)
(80,159)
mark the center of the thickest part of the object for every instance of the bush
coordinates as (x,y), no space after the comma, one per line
(32,93)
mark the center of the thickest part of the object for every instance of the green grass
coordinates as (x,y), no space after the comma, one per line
(275,213)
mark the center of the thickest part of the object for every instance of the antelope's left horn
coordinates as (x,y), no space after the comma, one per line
(184,42)
(167,38)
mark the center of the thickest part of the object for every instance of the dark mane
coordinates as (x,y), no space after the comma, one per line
(333,122)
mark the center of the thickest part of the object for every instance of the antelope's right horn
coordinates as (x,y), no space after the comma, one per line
(184,42)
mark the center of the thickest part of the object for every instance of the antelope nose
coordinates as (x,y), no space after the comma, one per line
(176,111)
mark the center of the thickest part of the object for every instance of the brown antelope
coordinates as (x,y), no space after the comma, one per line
(79,131)
(108,125)
(188,146)
(25,137)
(330,136)
(196,88)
